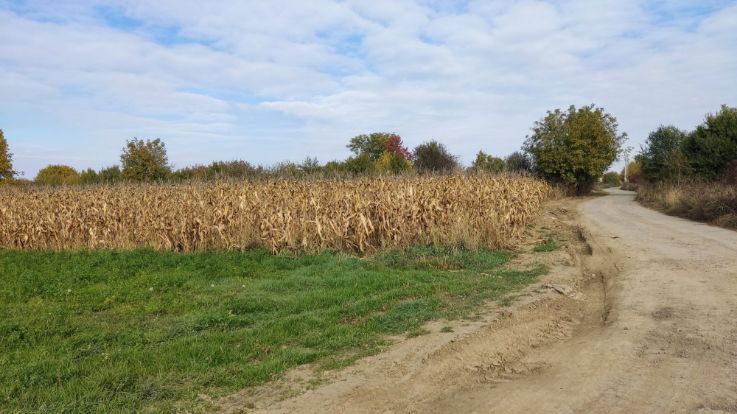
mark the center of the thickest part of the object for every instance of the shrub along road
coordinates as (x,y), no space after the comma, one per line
(659,336)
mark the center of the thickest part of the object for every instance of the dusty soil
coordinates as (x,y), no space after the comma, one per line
(638,314)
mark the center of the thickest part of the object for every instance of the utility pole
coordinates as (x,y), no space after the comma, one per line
(626,153)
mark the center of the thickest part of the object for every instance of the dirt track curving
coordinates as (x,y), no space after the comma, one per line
(648,324)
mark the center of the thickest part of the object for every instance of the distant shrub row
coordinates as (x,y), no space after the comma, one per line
(708,153)
(571,148)
(377,153)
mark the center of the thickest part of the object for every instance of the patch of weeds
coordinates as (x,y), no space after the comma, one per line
(506,301)
(417,332)
(446,329)
(548,245)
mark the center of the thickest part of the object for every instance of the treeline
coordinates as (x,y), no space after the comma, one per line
(691,174)
(376,153)
(572,148)
(706,154)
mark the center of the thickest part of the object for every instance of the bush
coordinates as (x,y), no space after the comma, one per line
(89,176)
(611,179)
(713,145)
(518,162)
(729,175)
(488,163)
(57,175)
(710,202)
(434,157)
(216,170)
(393,163)
(110,175)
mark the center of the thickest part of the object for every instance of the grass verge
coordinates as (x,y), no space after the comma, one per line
(715,203)
(114,331)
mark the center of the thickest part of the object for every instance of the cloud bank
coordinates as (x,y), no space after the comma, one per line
(280,80)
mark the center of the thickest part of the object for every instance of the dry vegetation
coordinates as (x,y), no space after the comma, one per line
(358,215)
(715,203)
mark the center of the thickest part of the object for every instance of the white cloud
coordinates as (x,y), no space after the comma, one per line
(272,80)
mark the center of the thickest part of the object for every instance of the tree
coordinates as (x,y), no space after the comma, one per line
(145,160)
(230,169)
(488,163)
(661,157)
(611,179)
(384,151)
(310,166)
(89,176)
(393,162)
(518,162)
(57,175)
(713,145)
(286,169)
(372,145)
(395,146)
(334,168)
(434,157)
(110,175)
(360,164)
(574,147)
(6,161)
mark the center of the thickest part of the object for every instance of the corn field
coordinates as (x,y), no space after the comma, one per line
(356,215)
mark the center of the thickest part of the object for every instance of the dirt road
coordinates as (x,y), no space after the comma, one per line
(651,328)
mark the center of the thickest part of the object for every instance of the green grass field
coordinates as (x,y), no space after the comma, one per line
(107,331)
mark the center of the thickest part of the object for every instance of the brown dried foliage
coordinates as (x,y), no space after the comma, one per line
(356,215)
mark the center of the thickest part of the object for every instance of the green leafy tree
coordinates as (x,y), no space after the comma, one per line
(57,175)
(335,168)
(360,164)
(662,157)
(713,145)
(110,175)
(310,166)
(89,176)
(238,169)
(372,145)
(384,151)
(574,147)
(434,157)
(6,161)
(488,163)
(287,169)
(518,162)
(611,179)
(145,160)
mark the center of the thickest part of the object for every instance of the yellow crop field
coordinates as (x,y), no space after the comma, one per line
(356,215)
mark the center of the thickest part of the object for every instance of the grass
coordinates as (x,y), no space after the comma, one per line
(548,245)
(122,331)
(714,203)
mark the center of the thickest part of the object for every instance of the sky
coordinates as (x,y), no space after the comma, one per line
(272,80)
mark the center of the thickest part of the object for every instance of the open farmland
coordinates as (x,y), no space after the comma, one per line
(97,320)
(357,215)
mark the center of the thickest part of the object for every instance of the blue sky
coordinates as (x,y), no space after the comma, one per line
(267,81)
